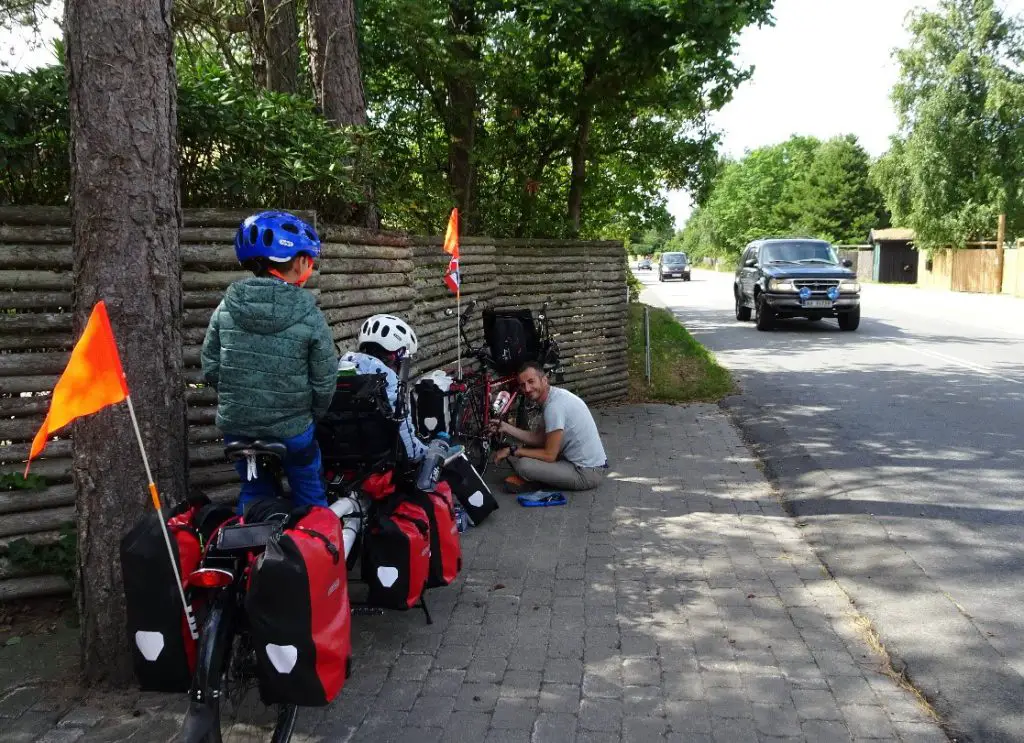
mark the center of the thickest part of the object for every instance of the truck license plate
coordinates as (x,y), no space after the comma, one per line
(818,304)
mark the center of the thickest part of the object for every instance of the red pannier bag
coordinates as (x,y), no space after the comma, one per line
(445,548)
(396,553)
(163,649)
(298,610)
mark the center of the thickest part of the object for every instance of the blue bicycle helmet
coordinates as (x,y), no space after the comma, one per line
(276,236)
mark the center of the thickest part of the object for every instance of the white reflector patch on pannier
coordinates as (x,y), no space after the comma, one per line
(282,657)
(477,499)
(150,644)
(430,423)
(387,576)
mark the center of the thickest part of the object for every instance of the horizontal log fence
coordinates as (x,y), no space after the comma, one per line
(360,273)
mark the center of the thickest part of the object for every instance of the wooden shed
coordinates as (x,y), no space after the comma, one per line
(895,257)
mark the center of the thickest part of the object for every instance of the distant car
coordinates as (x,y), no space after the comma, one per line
(795,277)
(644,265)
(673,266)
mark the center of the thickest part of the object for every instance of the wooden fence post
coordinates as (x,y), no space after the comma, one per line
(1000,239)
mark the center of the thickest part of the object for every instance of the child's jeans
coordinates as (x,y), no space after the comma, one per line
(301,465)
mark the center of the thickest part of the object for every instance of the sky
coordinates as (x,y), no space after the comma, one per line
(824,69)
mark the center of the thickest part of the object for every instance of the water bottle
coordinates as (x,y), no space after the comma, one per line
(461,519)
(430,469)
(500,401)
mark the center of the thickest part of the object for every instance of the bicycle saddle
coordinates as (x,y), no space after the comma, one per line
(246,448)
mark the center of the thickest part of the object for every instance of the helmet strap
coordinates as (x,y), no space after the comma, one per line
(300,281)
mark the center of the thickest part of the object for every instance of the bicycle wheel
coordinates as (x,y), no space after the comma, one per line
(244,717)
(469,427)
(228,709)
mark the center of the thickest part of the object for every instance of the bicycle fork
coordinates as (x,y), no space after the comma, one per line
(202,719)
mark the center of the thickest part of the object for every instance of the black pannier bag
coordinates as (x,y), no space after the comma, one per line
(163,650)
(511,338)
(470,489)
(429,408)
(359,430)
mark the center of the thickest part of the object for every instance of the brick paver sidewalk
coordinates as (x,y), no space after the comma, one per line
(677,602)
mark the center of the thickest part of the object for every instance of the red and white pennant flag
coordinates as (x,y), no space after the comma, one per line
(453,277)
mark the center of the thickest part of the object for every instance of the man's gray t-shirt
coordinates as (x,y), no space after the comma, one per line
(581,443)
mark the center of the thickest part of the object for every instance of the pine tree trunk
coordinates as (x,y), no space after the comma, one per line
(126,217)
(256,26)
(581,146)
(462,105)
(333,43)
(334,61)
(578,177)
(282,35)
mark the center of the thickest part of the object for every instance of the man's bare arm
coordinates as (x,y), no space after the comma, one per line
(549,452)
(530,438)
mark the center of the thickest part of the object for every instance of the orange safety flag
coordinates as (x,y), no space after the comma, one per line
(92,380)
(453,276)
(451,235)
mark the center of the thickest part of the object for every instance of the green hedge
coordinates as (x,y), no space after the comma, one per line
(237,146)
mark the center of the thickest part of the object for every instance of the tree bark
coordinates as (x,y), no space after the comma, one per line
(334,61)
(126,218)
(581,146)
(333,43)
(579,169)
(282,35)
(256,25)
(464,27)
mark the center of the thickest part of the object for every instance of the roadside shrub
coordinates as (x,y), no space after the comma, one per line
(237,146)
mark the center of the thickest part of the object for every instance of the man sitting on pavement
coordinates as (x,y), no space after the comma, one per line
(567,454)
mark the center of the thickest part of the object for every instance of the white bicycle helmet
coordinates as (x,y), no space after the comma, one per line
(390,332)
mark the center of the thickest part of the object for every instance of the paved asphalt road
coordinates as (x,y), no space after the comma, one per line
(901,447)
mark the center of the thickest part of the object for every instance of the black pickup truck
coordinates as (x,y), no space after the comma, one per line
(795,277)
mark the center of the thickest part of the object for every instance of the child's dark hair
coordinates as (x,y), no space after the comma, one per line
(261,266)
(378,352)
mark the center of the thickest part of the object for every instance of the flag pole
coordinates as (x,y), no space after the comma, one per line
(458,325)
(163,525)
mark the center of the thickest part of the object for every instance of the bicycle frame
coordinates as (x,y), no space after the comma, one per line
(490,385)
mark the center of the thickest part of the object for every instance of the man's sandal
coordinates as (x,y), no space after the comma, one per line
(541,498)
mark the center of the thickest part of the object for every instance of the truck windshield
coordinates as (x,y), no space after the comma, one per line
(799,252)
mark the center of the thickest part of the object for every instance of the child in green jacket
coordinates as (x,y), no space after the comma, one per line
(270,354)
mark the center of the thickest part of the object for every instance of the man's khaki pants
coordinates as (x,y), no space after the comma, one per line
(561,474)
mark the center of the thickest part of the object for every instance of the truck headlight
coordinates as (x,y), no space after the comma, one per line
(848,286)
(781,285)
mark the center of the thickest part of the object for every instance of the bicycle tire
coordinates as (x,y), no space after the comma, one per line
(469,428)
(216,642)
(202,720)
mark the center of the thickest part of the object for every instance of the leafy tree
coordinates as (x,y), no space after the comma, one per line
(596,105)
(798,187)
(958,160)
(834,198)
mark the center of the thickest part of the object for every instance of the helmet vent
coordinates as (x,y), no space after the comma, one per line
(289,227)
(268,238)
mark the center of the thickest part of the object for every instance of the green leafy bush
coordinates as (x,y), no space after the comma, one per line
(238,146)
(34,164)
(57,558)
